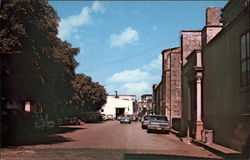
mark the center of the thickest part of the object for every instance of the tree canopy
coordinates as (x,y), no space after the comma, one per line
(44,71)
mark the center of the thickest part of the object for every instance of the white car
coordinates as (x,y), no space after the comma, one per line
(110,117)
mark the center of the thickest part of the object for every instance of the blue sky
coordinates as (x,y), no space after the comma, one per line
(121,41)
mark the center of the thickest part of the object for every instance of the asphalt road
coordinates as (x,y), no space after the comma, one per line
(105,141)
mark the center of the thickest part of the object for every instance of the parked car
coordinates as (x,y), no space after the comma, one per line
(125,119)
(134,118)
(139,118)
(118,118)
(76,121)
(145,121)
(110,117)
(158,123)
(103,117)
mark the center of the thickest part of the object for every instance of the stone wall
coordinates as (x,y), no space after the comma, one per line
(171,87)
(213,25)
(176,84)
(225,109)
(190,40)
(166,82)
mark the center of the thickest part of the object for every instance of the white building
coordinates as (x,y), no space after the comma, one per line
(123,104)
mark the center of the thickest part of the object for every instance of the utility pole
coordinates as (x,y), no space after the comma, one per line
(116,95)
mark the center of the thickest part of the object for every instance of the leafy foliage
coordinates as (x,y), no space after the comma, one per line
(88,94)
(45,71)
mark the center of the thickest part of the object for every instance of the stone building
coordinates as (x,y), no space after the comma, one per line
(158,108)
(145,105)
(226,82)
(190,41)
(215,77)
(171,84)
(154,98)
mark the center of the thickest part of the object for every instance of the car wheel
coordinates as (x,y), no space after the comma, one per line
(149,131)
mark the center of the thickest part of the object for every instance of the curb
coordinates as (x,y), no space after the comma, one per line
(176,133)
(222,151)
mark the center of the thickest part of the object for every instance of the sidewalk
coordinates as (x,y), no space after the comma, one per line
(227,153)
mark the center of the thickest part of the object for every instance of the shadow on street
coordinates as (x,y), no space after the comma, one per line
(173,157)
(37,137)
(158,157)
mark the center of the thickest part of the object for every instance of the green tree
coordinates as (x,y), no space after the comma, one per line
(89,95)
(44,71)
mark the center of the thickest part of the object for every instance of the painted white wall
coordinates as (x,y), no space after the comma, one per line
(113,103)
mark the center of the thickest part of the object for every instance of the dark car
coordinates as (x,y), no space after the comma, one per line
(125,119)
(145,121)
(134,118)
(158,123)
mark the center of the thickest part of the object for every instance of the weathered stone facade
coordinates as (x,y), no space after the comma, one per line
(192,43)
(171,77)
(157,99)
(190,40)
(213,25)
(145,104)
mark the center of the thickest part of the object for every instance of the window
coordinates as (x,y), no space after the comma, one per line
(245,60)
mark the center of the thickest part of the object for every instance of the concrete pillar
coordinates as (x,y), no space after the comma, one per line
(198,98)
(199,123)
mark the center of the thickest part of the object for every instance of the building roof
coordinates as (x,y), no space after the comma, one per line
(191,30)
(175,49)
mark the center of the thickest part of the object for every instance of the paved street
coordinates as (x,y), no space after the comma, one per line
(109,140)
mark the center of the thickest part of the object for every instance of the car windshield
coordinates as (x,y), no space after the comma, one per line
(146,118)
(160,118)
(125,117)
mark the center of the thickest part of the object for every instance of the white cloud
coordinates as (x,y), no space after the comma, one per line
(154,64)
(98,7)
(69,26)
(129,76)
(137,81)
(128,36)
(137,88)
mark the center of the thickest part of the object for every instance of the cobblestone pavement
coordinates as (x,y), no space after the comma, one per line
(107,141)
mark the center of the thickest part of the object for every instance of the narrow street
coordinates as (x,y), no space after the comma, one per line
(108,140)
